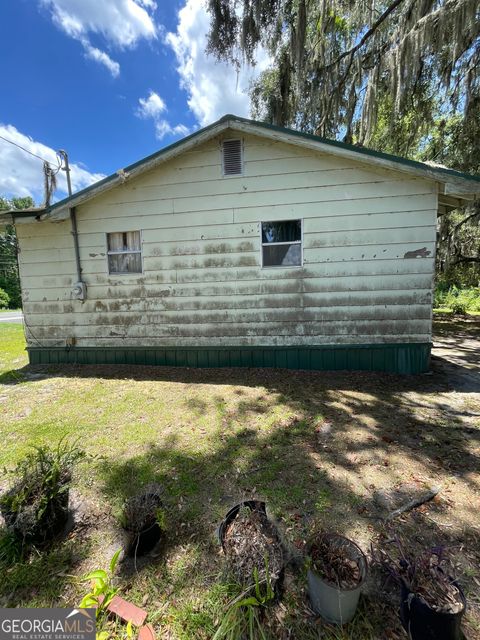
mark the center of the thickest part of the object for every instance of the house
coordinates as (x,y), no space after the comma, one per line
(243,244)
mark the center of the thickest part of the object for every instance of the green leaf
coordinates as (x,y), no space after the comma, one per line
(248,602)
(129,629)
(114,560)
(99,574)
(88,601)
(109,597)
(99,587)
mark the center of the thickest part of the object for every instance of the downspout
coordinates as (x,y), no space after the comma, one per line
(74,232)
(79,291)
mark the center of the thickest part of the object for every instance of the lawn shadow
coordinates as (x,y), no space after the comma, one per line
(288,468)
(41,579)
(314,446)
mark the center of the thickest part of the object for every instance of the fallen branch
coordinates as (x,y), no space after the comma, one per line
(416,502)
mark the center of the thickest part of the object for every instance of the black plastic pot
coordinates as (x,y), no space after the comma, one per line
(253,505)
(144,541)
(50,525)
(421,622)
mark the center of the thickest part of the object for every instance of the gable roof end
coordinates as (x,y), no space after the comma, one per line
(456,186)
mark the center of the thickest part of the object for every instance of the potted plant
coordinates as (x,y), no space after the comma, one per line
(337,570)
(432,602)
(251,543)
(35,508)
(144,520)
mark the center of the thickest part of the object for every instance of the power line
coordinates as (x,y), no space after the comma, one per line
(26,150)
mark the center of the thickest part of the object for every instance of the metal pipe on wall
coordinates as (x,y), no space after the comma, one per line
(80,288)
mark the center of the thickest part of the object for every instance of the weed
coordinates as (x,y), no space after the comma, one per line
(243,618)
(11,547)
(323,501)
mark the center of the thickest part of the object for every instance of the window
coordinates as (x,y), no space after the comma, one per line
(232,157)
(282,243)
(124,252)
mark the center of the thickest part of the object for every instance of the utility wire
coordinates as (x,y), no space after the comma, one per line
(26,150)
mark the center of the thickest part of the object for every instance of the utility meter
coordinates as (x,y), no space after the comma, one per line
(79,291)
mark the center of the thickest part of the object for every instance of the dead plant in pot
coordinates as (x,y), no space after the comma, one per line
(251,542)
(337,569)
(144,520)
(35,508)
(432,602)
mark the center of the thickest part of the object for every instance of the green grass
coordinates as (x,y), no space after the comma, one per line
(12,351)
(212,438)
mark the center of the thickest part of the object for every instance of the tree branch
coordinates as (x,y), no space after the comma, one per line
(466,259)
(462,222)
(351,52)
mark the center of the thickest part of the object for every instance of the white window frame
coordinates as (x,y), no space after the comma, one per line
(116,253)
(242,151)
(271,244)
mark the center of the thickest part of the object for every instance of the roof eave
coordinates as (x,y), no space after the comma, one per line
(454,183)
(15,216)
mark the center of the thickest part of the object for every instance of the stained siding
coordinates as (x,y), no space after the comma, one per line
(203,284)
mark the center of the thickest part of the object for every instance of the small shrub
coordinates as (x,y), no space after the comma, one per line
(11,285)
(460,301)
(36,507)
(459,308)
(4,299)
(10,547)
(102,590)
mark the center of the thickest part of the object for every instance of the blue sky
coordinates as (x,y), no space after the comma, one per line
(110,81)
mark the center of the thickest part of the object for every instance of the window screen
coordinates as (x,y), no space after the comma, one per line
(124,252)
(232,157)
(282,243)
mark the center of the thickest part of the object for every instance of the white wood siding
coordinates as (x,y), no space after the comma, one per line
(368,249)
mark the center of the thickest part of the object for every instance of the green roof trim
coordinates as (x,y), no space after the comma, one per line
(412,164)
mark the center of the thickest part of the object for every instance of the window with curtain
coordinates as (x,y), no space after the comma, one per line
(282,243)
(124,252)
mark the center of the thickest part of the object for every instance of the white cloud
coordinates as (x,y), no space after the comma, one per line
(148,4)
(214,88)
(101,57)
(122,23)
(163,128)
(22,175)
(152,107)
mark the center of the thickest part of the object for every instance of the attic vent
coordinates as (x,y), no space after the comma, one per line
(232,157)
